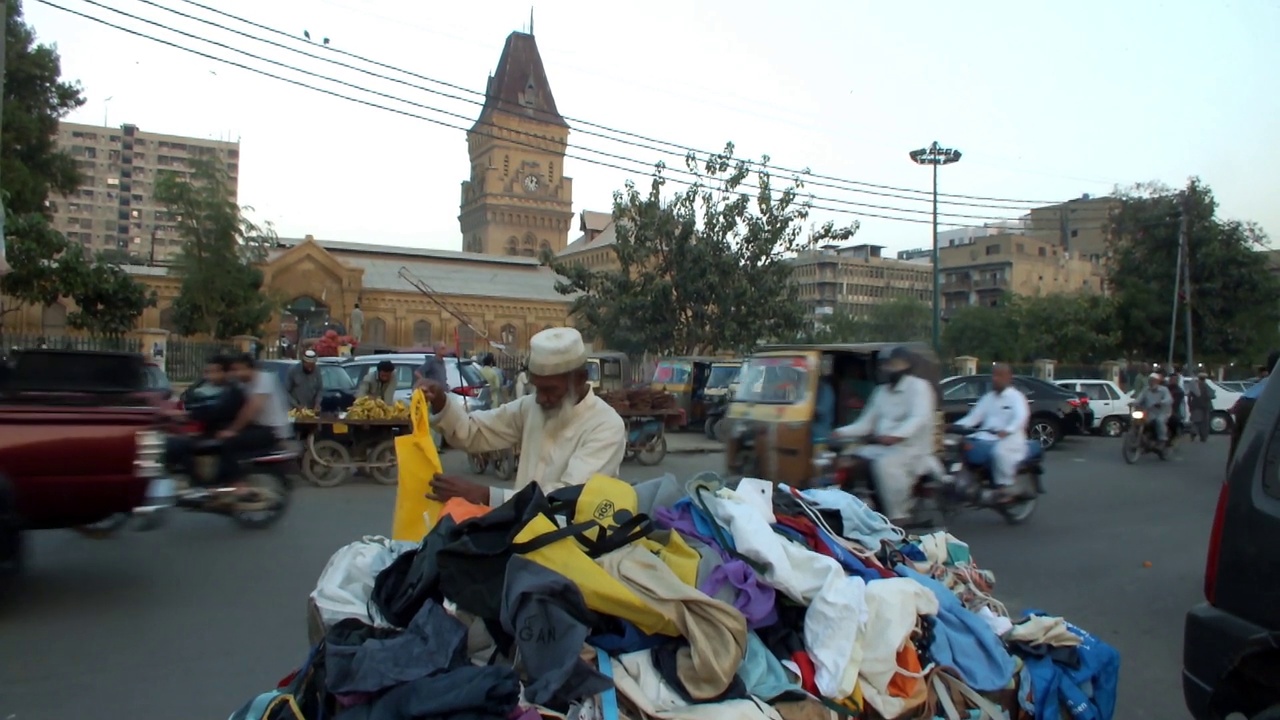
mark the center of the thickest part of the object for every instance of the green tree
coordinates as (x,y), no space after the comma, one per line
(1069,328)
(705,270)
(221,293)
(987,333)
(1233,294)
(900,319)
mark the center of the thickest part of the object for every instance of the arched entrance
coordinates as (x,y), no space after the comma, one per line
(305,318)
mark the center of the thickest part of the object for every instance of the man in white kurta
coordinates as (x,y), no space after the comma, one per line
(900,417)
(1001,418)
(565,432)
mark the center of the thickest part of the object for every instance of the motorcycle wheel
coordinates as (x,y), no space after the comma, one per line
(653,453)
(710,427)
(1017,513)
(268,508)
(105,527)
(505,465)
(1132,448)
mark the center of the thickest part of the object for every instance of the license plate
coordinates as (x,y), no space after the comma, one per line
(340,429)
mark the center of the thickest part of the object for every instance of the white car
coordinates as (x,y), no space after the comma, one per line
(1109,403)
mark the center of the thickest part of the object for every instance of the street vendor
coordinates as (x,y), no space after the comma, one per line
(303,386)
(566,433)
(380,384)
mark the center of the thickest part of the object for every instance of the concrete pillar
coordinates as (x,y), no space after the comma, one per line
(155,344)
(1111,371)
(1043,369)
(966,365)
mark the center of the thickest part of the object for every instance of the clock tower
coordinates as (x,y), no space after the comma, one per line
(517,201)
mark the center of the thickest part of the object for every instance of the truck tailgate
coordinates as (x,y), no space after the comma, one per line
(72,465)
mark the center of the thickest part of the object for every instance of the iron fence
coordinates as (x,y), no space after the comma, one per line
(185,358)
(10,341)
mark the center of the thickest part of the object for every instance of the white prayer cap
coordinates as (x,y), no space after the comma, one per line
(308,356)
(556,351)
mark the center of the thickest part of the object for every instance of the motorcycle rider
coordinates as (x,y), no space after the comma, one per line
(899,419)
(214,405)
(1157,402)
(261,423)
(1001,418)
(1177,413)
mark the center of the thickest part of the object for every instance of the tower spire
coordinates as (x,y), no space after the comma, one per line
(530,19)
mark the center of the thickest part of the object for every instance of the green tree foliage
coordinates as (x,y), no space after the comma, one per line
(43,266)
(221,293)
(705,270)
(1069,328)
(901,319)
(1233,293)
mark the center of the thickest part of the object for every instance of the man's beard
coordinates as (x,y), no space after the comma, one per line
(553,420)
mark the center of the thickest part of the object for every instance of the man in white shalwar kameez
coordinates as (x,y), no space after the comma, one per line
(1001,418)
(565,432)
(900,418)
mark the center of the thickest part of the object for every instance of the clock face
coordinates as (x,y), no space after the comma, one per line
(530,182)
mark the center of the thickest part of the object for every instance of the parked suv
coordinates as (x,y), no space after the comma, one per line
(1231,642)
(1055,411)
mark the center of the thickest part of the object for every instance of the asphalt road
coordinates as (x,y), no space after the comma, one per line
(195,619)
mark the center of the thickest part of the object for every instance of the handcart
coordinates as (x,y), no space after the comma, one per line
(370,446)
(646,433)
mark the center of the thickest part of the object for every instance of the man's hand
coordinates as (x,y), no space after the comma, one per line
(436,394)
(888,440)
(445,487)
(1002,434)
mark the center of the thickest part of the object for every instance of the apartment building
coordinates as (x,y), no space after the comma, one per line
(851,280)
(983,272)
(114,208)
(1079,226)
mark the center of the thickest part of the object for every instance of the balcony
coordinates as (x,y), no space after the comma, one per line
(960,285)
(991,283)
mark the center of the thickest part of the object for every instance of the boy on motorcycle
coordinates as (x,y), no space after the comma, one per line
(1158,404)
(1001,418)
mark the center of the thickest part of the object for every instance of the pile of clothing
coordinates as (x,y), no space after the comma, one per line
(679,601)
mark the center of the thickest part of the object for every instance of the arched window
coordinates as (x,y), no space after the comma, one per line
(466,340)
(166,320)
(509,335)
(530,241)
(528,252)
(375,331)
(513,246)
(544,247)
(422,333)
(53,319)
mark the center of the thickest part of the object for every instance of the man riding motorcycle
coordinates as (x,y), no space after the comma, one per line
(899,422)
(214,406)
(1001,419)
(1158,404)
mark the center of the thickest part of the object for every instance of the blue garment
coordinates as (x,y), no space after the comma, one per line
(707,530)
(964,641)
(1086,692)
(630,640)
(763,673)
(1254,391)
(859,522)
(824,420)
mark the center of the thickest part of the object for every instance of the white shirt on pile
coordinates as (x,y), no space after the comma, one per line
(584,439)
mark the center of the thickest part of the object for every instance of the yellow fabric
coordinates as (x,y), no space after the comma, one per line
(682,559)
(417,462)
(602,592)
(602,497)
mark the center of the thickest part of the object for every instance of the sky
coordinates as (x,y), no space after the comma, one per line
(1046,101)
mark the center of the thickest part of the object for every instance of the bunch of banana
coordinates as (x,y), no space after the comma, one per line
(367,408)
(302,413)
(400,411)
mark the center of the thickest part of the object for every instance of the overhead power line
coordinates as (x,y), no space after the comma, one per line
(455,127)
(680,149)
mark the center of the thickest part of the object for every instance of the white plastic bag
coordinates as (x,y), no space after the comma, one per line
(346,583)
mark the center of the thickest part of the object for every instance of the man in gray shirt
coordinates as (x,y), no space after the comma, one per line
(433,368)
(303,385)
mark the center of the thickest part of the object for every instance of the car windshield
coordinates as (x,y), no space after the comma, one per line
(675,372)
(722,375)
(775,379)
(593,370)
(335,378)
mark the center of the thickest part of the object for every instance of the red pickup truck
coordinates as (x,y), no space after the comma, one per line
(79,444)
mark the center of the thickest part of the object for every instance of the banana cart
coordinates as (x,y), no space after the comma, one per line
(366,444)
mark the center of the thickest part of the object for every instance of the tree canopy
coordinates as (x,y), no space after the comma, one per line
(1069,328)
(704,270)
(43,266)
(221,293)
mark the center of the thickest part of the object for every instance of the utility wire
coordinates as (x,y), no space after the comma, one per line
(683,149)
(613,156)
(455,127)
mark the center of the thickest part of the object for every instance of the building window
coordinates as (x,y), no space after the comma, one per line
(506,165)
(1075,233)
(1043,252)
(551,172)
(993,249)
(509,335)
(422,333)
(375,331)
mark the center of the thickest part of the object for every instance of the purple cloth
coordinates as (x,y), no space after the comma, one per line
(525,714)
(755,600)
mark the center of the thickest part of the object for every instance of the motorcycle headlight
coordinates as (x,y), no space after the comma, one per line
(1138,414)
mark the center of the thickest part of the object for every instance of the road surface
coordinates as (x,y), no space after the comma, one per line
(195,619)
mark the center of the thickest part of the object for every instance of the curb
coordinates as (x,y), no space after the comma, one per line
(695,451)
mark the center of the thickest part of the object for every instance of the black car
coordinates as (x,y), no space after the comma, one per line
(1055,411)
(339,388)
(1231,642)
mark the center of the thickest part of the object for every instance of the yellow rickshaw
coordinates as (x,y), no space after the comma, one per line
(686,379)
(608,371)
(770,421)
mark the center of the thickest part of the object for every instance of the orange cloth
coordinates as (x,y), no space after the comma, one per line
(906,686)
(460,510)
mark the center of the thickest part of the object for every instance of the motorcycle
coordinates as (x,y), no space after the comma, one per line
(257,500)
(956,485)
(716,428)
(1141,438)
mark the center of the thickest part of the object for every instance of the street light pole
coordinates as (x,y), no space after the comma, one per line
(936,155)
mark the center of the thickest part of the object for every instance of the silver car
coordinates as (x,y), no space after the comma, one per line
(464,376)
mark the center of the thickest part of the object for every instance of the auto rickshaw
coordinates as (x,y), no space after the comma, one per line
(607,371)
(770,419)
(686,379)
